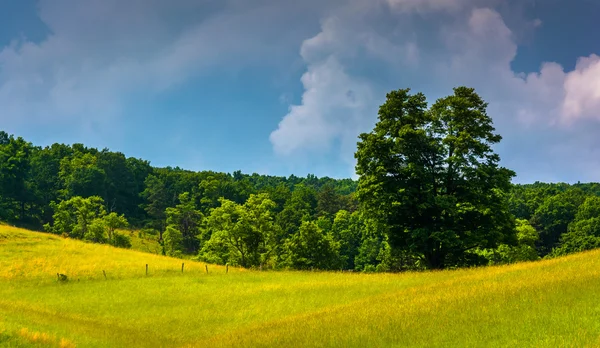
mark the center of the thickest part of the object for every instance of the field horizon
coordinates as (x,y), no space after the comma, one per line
(543,303)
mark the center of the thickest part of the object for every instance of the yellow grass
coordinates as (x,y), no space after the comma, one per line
(553,303)
(26,255)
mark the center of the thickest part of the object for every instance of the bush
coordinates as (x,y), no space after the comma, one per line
(122,241)
(370,269)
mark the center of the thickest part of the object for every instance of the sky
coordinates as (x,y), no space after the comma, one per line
(284,87)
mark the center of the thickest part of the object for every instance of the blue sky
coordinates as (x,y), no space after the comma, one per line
(281,87)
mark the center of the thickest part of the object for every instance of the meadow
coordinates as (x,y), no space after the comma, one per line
(550,303)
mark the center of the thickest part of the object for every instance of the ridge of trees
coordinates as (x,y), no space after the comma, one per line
(430,194)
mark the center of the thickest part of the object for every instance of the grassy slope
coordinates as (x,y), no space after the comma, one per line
(549,303)
(147,244)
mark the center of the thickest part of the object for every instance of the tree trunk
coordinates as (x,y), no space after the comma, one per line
(435,259)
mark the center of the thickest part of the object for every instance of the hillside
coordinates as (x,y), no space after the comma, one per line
(549,303)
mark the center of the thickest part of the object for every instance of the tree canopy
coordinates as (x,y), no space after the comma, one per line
(432,176)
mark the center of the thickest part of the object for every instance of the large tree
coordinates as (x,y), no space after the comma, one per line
(311,248)
(186,219)
(241,234)
(432,177)
(14,169)
(584,232)
(553,217)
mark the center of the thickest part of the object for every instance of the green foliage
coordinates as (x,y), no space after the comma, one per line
(241,234)
(15,192)
(186,219)
(121,241)
(172,241)
(346,230)
(584,232)
(300,207)
(328,201)
(158,196)
(95,231)
(81,176)
(431,194)
(525,250)
(432,177)
(112,222)
(75,216)
(310,248)
(85,218)
(553,217)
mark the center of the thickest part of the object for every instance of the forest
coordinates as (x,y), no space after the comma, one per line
(430,195)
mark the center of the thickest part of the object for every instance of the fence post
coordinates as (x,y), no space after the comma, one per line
(146,269)
(182,267)
(226,268)
(206,266)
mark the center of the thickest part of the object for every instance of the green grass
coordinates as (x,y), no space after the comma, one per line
(552,303)
(140,242)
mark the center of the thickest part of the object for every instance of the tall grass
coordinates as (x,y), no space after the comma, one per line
(542,304)
(38,257)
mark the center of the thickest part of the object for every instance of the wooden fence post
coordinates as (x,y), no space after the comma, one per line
(146,269)
(206,266)
(182,267)
(226,268)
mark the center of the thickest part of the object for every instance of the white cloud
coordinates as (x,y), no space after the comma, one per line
(331,105)
(582,87)
(336,104)
(478,49)
(100,52)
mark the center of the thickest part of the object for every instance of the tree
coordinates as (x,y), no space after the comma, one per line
(14,169)
(111,222)
(525,250)
(139,170)
(76,216)
(347,231)
(172,241)
(158,196)
(553,216)
(81,176)
(44,178)
(328,201)
(279,194)
(259,212)
(584,232)
(373,242)
(241,234)
(186,219)
(301,206)
(122,188)
(311,248)
(432,177)
(217,185)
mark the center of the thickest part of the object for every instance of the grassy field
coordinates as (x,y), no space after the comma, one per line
(553,303)
(145,243)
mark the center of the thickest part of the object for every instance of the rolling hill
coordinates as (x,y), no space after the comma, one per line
(110,301)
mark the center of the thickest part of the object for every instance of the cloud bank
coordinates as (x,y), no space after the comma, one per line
(548,118)
(102,57)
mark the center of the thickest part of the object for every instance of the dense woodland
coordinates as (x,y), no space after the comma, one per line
(430,195)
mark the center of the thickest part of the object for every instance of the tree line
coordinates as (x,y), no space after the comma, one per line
(430,195)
